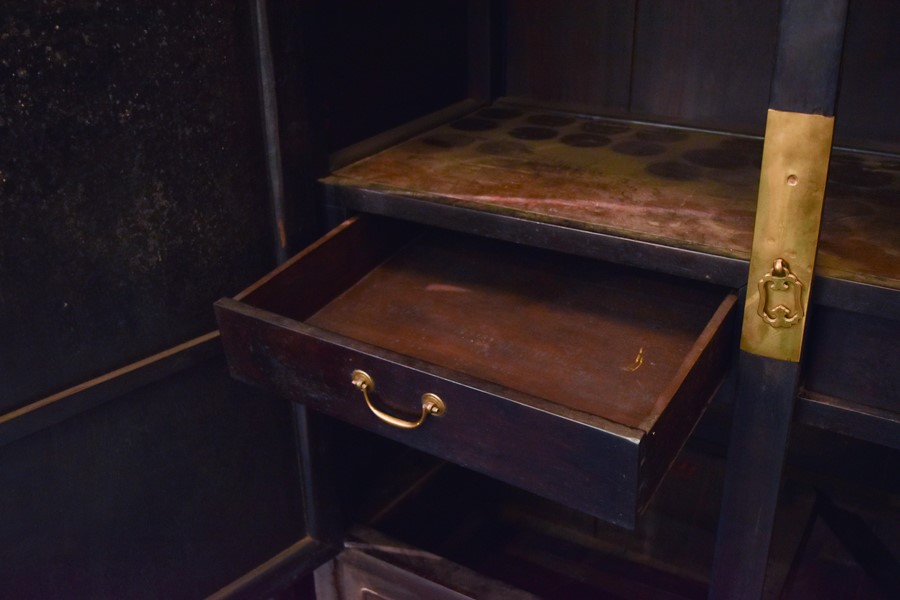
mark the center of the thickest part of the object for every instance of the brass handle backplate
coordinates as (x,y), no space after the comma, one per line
(431,404)
(780,279)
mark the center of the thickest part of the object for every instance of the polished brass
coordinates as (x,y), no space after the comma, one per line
(780,279)
(788,215)
(431,403)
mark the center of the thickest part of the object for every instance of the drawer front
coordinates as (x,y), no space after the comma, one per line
(590,466)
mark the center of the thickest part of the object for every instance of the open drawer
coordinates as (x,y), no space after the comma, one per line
(574,379)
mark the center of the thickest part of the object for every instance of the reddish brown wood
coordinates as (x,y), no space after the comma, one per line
(307,281)
(553,326)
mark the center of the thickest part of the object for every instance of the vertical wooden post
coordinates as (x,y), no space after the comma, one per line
(791,193)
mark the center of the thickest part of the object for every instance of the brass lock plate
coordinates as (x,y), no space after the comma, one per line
(788,214)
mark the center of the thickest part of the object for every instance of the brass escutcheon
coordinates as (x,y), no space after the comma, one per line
(780,279)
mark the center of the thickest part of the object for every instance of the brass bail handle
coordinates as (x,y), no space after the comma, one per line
(431,404)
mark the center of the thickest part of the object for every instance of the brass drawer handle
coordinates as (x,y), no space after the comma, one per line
(431,404)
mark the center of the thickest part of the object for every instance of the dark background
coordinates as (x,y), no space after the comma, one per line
(132,195)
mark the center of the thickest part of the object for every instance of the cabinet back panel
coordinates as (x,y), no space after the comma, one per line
(572,53)
(706,63)
(870,77)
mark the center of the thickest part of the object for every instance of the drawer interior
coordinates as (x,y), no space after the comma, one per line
(606,340)
(587,335)
(572,378)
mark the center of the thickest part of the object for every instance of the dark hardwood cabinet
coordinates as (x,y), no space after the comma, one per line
(523,245)
(545,201)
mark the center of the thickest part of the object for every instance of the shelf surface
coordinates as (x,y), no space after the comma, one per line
(679,188)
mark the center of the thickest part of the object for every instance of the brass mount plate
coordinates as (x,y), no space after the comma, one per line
(788,215)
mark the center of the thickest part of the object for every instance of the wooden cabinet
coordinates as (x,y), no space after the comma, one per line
(557,250)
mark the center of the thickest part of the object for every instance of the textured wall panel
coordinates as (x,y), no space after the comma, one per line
(131,189)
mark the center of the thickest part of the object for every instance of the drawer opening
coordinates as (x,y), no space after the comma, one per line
(586,335)
(598,371)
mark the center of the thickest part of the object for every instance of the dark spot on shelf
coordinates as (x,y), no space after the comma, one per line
(857,175)
(846,159)
(584,140)
(473,124)
(550,120)
(840,208)
(716,158)
(638,148)
(533,133)
(747,146)
(673,169)
(604,128)
(661,135)
(448,140)
(499,113)
(884,194)
(891,165)
(504,148)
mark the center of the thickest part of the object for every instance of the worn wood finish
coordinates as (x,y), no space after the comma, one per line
(548,46)
(533,352)
(634,180)
(551,326)
(681,189)
(691,264)
(708,64)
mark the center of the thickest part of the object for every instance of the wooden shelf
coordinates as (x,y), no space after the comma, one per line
(675,200)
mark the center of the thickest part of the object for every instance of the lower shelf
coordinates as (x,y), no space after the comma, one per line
(554,552)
